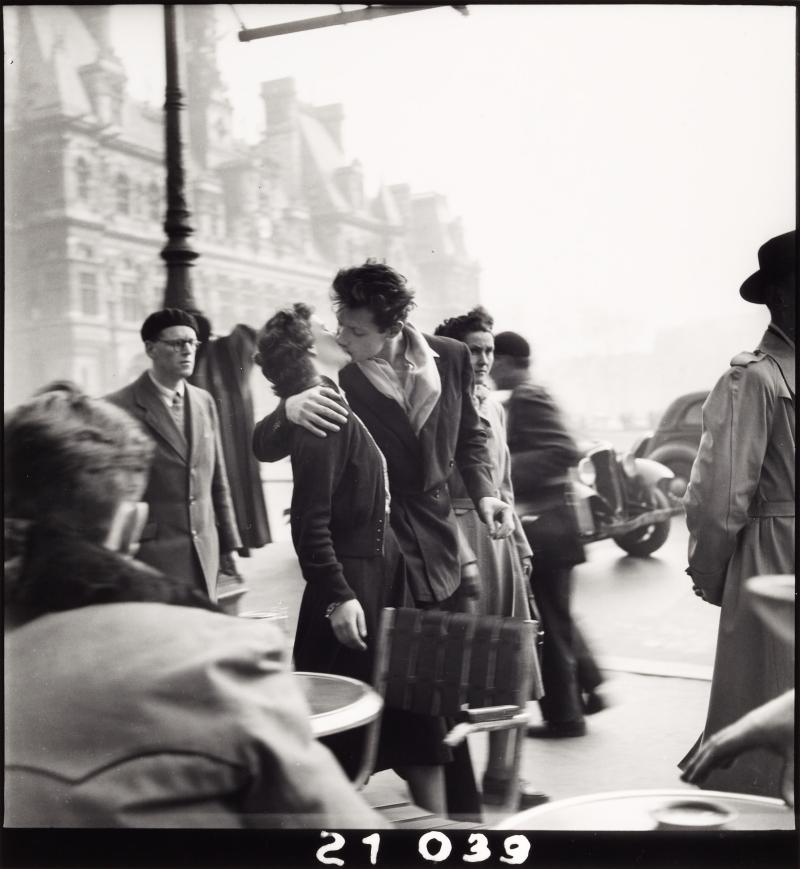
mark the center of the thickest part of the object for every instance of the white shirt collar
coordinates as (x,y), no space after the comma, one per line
(166,392)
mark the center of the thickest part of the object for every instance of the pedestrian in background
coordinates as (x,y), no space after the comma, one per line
(504,566)
(740,508)
(191,515)
(542,451)
(223,367)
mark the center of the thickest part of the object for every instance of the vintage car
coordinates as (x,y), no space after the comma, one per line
(625,498)
(675,441)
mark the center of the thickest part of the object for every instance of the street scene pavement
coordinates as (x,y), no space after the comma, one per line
(654,640)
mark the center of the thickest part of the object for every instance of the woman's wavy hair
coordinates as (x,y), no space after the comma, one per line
(476,320)
(69,460)
(377,287)
(283,347)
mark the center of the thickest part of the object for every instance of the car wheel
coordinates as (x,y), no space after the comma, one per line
(646,540)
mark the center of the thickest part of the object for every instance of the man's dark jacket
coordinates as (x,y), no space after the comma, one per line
(542,450)
(419,466)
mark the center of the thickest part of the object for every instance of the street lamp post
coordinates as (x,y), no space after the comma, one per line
(178,254)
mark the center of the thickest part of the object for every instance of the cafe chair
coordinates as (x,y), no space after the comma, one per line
(478,670)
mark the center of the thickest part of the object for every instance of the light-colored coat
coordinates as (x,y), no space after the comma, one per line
(505,590)
(740,508)
(191,514)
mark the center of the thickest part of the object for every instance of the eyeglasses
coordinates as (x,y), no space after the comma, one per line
(179,343)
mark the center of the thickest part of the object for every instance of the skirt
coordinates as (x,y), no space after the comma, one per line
(378,582)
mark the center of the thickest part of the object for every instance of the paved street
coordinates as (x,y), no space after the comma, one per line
(641,613)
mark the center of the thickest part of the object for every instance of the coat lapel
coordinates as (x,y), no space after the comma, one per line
(386,409)
(157,416)
(196,418)
(428,431)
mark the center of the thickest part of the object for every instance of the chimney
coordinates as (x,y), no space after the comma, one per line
(280,102)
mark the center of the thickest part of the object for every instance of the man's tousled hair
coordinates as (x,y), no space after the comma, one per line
(376,287)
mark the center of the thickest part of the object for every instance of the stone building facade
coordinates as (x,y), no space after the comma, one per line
(273,220)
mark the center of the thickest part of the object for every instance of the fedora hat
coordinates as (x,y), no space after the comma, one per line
(777,259)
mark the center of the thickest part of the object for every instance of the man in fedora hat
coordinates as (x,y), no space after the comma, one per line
(740,512)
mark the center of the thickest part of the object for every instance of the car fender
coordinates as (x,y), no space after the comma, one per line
(651,472)
(641,444)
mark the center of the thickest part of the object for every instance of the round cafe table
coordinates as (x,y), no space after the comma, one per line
(634,810)
(338,703)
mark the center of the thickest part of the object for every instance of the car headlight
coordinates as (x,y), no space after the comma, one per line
(586,472)
(629,465)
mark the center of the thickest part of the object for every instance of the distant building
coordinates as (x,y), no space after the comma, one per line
(273,221)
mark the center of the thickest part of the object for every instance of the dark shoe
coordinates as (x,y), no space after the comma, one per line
(557,729)
(494,792)
(593,702)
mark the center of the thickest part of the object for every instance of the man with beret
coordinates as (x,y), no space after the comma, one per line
(191,519)
(542,450)
(740,507)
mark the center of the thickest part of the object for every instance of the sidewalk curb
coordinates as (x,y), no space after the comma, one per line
(645,667)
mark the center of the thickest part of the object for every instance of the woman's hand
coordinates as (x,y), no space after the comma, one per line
(349,625)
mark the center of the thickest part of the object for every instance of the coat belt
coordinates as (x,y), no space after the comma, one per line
(763,509)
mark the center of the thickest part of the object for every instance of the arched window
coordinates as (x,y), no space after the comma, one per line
(82,174)
(123,187)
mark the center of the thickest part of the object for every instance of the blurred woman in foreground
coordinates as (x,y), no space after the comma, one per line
(130,699)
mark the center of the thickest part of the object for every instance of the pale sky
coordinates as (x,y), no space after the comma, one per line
(607,161)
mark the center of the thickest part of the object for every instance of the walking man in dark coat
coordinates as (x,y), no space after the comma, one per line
(191,519)
(541,452)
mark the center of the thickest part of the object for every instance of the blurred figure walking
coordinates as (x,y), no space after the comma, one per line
(541,452)
(740,508)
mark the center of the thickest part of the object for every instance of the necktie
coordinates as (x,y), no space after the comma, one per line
(176,409)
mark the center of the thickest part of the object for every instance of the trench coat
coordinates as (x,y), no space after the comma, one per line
(223,368)
(191,516)
(740,507)
(153,715)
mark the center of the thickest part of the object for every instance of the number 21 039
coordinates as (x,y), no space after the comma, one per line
(433,847)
